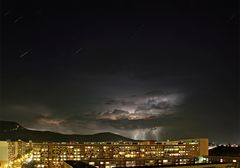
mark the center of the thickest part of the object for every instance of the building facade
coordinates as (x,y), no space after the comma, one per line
(14,153)
(109,154)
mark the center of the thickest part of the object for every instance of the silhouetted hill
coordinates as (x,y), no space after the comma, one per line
(225,151)
(8,126)
(14,131)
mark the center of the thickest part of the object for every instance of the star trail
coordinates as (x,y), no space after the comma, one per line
(145,70)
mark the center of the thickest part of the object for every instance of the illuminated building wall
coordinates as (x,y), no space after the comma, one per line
(3,154)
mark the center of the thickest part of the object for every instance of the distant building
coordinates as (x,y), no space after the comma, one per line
(192,152)
(109,154)
(207,165)
(188,162)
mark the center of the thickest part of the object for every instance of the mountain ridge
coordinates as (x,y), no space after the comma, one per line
(11,130)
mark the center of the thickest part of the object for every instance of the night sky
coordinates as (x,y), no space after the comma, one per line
(141,69)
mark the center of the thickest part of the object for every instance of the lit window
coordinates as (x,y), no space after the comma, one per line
(165,161)
(91,163)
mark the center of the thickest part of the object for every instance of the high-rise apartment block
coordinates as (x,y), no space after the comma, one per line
(126,153)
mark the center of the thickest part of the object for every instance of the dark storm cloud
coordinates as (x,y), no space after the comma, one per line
(153,104)
(143,107)
(126,124)
(144,70)
(31,114)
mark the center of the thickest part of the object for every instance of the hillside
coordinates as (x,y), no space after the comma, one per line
(14,131)
(225,151)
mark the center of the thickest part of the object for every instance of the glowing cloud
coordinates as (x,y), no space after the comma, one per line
(141,108)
